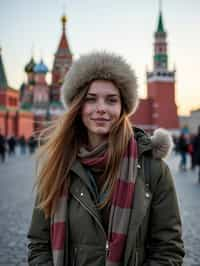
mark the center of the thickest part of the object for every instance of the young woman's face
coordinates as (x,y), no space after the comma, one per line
(101,109)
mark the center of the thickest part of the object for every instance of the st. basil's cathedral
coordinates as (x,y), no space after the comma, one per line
(27,110)
(36,95)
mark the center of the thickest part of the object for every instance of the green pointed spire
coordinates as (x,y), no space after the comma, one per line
(160,27)
(3,79)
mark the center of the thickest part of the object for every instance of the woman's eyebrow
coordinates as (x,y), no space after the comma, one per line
(108,95)
(91,94)
(113,95)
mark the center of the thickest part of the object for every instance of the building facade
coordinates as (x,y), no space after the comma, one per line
(191,122)
(13,121)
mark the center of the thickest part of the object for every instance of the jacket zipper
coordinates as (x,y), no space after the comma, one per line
(75,257)
(136,258)
(88,209)
(107,248)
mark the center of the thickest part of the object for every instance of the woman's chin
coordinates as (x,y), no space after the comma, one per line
(101,131)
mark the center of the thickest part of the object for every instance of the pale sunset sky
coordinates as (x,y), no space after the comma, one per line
(125,27)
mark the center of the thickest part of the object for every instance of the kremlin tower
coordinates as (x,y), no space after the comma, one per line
(161,83)
(159,108)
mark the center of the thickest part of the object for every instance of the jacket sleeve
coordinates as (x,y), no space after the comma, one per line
(39,247)
(165,233)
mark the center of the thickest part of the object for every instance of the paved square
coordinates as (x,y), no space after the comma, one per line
(16,203)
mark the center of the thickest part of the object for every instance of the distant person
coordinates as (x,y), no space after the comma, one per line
(32,144)
(11,145)
(175,141)
(22,144)
(183,149)
(2,147)
(191,151)
(104,194)
(197,152)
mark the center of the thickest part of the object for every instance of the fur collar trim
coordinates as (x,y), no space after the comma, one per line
(162,143)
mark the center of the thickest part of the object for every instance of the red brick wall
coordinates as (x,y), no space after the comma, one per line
(9,98)
(143,115)
(2,98)
(11,129)
(2,122)
(165,109)
(16,123)
(25,124)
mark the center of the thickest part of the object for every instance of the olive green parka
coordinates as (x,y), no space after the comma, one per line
(154,235)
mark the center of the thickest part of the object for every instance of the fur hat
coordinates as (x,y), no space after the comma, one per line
(105,66)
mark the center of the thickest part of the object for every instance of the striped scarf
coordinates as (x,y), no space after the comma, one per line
(120,210)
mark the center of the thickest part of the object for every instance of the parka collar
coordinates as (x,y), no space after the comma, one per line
(79,170)
(143,141)
(159,144)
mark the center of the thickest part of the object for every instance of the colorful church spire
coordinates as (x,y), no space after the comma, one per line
(63,46)
(3,79)
(62,62)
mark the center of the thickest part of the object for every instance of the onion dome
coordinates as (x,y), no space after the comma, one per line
(29,68)
(41,68)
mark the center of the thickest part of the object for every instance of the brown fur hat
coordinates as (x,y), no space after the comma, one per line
(105,66)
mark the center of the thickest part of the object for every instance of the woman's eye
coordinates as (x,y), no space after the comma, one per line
(111,100)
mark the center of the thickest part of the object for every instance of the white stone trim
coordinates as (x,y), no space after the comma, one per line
(160,78)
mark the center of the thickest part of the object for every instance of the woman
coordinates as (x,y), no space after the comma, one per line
(104,196)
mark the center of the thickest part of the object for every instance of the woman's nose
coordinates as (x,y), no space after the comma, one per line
(100,108)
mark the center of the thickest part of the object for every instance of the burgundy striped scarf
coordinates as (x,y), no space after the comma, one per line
(120,211)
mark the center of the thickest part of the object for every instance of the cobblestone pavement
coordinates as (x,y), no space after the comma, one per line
(16,203)
(188,191)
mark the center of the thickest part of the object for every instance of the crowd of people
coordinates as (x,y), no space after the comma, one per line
(188,144)
(8,145)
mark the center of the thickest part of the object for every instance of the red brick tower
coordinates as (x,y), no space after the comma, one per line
(62,62)
(161,83)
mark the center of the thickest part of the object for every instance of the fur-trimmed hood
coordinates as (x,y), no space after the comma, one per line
(160,143)
(101,66)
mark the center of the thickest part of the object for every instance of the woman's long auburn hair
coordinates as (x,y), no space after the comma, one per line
(62,141)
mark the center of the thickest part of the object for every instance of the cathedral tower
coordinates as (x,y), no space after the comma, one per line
(62,62)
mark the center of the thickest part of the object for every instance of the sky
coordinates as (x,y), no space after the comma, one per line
(125,27)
